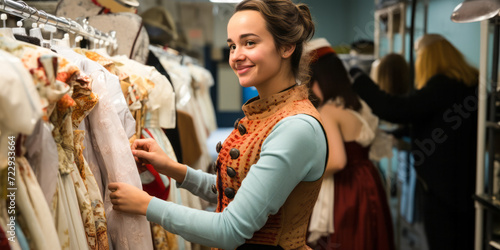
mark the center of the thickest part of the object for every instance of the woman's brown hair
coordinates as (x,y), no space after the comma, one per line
(393,74)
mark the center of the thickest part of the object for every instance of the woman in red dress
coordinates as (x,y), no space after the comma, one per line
(361,215)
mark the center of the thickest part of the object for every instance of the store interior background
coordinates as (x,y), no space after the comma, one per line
(341,22)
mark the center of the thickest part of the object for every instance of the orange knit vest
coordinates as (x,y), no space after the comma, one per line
(241,150)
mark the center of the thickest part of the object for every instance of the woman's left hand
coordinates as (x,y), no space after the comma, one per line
(129,199)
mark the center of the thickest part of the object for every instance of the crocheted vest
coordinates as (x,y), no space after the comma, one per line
(241,150)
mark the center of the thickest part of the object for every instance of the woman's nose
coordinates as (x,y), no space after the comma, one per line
(237,55)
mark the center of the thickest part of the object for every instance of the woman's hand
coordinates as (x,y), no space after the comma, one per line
(147,151)
(129,199)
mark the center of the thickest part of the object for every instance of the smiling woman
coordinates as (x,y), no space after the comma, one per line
(269,170)
(253,56)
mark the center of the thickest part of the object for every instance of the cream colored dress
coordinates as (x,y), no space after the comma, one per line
(107,149)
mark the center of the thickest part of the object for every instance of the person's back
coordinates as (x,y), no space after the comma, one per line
(443,116)
(350,125)
(447,137)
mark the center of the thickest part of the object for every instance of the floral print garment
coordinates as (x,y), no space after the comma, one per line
(112,155)
(85,102)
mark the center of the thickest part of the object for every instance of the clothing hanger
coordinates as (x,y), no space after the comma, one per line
(64,42)
(7,32)
(20,30)
(36,31)
(78,39)
(51,29)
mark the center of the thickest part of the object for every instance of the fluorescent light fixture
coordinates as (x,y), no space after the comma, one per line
(225,1)
(475,10)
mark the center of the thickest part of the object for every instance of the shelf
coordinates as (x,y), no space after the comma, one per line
(490,202)
(394,17)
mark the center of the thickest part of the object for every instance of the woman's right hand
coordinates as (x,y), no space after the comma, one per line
(147,151)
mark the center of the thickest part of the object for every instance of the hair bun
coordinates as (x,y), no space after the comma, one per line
(307,21)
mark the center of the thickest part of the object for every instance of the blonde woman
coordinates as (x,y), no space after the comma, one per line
(443,116)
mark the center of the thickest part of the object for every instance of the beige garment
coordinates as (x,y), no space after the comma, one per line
(17,96)
(202,83)
(191,148)
(163,240)
(185,101)
(4,218)
(92,213)
(39,224)
(321,222)
(52,81)
(72,196)
(108,152)
(161,96)
(370,124)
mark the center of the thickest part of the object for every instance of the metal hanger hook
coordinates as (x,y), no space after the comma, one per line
(3,4)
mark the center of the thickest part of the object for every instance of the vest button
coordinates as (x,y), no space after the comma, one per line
(242,129)
(214,188)
(231,172)
(213,166)
(236,123)
(229,192)
(234,153)
(218,147)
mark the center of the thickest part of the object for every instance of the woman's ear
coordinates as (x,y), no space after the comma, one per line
(287,51)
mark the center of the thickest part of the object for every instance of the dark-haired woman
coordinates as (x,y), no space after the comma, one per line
(361,215)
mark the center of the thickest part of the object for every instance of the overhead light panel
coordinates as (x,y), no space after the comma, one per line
(475,11)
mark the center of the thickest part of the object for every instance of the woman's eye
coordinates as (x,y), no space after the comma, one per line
(250,43)
(232,47)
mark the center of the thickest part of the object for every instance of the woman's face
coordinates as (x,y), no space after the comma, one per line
(253,55)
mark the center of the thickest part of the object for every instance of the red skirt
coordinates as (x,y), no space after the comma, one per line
(362,219)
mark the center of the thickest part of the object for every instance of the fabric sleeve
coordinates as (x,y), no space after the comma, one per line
(399,109)
(294,151)
(200,184)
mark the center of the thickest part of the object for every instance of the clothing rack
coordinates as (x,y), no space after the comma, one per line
(174,55)
(21,9)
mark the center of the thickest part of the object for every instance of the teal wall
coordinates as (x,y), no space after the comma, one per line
(342,22)
(332,20)
(465,36)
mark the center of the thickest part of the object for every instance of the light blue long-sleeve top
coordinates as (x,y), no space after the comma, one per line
(294,151)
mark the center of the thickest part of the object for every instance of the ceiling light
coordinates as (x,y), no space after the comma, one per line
(475,10)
